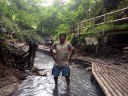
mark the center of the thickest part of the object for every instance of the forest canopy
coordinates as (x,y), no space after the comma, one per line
(31,19)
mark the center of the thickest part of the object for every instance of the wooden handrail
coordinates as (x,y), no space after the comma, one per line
(105,14)
(107,22)
(101,23)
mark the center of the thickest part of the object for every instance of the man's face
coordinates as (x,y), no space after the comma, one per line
(62,38)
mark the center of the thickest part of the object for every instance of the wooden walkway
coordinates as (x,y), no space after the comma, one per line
(112,79)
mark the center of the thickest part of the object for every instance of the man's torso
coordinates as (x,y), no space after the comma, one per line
(62,53)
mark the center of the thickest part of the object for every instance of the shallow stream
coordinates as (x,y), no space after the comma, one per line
(44,85)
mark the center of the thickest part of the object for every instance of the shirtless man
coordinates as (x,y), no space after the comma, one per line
(64,51)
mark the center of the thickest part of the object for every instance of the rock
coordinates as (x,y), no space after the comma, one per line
(38,71)
(89,70)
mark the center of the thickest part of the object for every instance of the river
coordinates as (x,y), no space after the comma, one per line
(44,85)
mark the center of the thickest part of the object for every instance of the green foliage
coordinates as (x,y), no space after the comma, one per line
(10,24)
(31,35)
(108,26)
(1,35)
(30,16)
(62,28)
(104,28)
(123,4)
(70,37)
(123,26)
(8,28)
(16,15)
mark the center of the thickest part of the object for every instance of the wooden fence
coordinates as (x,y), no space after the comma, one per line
(94,21)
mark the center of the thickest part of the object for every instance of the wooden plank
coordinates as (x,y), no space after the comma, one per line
(117,81)
(122,73)
(102,85)
(104,74)
(119,77)
(105,89)
(93,67)
(120,81)
(110,88)
(106,68)
(122,77)
(112,79)
(113,84)
(98,68)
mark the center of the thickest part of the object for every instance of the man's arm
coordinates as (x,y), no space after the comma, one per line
(71,48)
(53,55)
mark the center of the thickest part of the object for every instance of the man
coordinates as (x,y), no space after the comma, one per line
(62,57)
(32,53)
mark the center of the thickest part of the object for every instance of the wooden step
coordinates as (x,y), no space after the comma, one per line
(112,79)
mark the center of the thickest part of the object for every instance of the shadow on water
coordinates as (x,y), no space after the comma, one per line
(56,92)
(99,89)
(61,89)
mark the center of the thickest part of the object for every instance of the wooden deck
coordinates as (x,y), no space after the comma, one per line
(112,79)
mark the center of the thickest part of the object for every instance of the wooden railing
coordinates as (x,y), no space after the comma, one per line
(83,24)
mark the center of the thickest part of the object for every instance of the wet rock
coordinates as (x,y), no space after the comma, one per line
(89,70)
(37,71)
(34,69)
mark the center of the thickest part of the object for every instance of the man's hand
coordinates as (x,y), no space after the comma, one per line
(69,59)
(70,56)
(54,58)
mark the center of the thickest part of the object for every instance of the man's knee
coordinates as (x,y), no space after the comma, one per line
(55,77)
(66,72)
(55,71)
(67,78)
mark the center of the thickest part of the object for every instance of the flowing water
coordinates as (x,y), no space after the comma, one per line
(44,85)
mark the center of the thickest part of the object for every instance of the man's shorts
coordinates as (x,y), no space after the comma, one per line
(57,69)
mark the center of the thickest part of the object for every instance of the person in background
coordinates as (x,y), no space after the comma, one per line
(33,46)
(62,56)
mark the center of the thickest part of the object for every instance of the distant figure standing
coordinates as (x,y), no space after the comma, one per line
(27,57)
(49,42)
(32,52)
(64,51)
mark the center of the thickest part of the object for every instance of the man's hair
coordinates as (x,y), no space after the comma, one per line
(62,34)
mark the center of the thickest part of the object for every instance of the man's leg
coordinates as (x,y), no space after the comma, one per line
(66,74)
(56,72)
(68,81)
(56,80)
(30,62)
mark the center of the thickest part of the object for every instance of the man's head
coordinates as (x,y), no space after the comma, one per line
(62,37)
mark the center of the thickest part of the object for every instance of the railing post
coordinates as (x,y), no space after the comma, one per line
(93,23)
(104,23)
(78,29)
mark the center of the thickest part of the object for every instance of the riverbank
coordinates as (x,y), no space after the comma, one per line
(10,77)
(110,61)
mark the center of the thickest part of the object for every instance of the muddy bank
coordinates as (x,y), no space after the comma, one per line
(10,77)
(10,80)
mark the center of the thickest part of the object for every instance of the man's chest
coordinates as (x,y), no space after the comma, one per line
(62,48)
